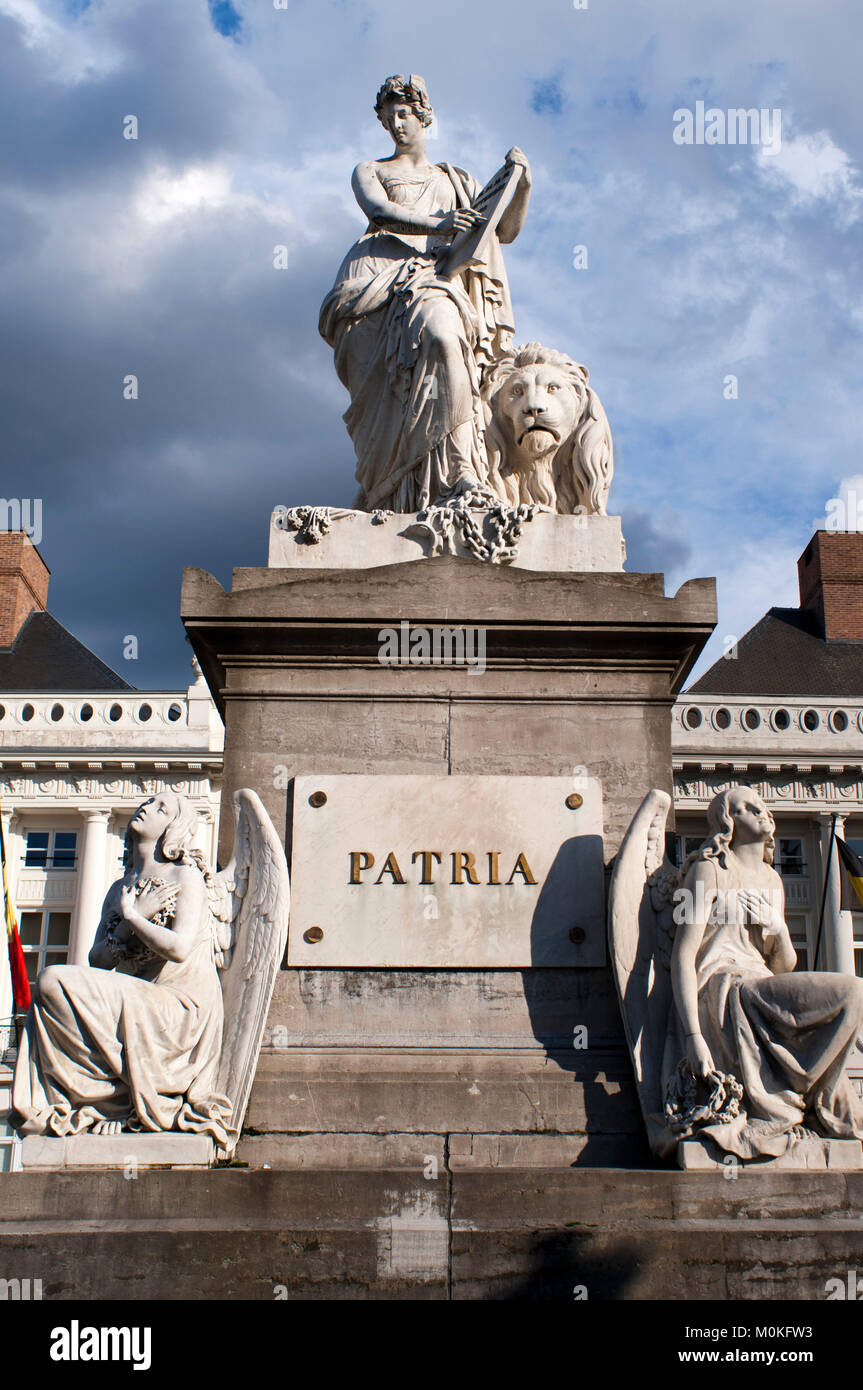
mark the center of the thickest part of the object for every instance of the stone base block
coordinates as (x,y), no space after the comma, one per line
(484,1152)
(844,1154)
(430,1153)
(326,1153)
(518,1234)
(331,538)
(118,1151)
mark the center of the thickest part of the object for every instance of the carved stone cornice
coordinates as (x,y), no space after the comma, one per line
(116,786)
(791,789)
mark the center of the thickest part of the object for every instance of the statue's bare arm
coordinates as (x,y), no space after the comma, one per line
(371,196)
(101,956)
(690,933)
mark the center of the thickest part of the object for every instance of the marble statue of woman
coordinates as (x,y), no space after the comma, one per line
(743,1049)
(410,343)
(134,1041)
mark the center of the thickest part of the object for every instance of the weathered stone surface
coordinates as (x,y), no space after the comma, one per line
(227,1234)
(482,1151)
(447,871)
(412,1153)
(620,1236)
(494,1234)
(507,1091)
(442,1010)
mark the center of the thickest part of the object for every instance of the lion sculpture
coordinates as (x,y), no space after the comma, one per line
(547,435)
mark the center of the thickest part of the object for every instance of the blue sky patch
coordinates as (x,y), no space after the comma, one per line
(226,20)
(547,98)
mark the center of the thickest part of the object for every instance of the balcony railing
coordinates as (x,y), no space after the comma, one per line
(88,713)
(122,719)
(822,728)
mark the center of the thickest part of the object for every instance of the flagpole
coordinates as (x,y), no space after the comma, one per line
(827,869)
(21,998)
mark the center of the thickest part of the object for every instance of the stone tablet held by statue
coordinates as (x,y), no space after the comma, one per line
(470,248)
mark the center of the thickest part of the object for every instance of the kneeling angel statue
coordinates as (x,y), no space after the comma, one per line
(162,1029)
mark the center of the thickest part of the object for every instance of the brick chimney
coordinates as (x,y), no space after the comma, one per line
(24,579)
(830,575)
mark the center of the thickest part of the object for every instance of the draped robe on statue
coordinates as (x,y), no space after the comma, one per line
(107,1045)
(409,346)
(785,1037)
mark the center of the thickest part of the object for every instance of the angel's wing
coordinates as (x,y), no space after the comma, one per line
(250,901)
(641,935)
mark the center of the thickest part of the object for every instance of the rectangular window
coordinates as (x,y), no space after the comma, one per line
(51,849)
(789,859)
(36,853)
(44,940)
(65,844)
(684,845)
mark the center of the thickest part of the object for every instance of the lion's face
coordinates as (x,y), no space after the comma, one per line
(541,407)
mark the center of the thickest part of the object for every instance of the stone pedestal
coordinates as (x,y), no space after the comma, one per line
(393,1066)
(127,1151)
(815,1152)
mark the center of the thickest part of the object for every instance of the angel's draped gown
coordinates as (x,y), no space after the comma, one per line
(785,1037)
(410,345)
(106,1044)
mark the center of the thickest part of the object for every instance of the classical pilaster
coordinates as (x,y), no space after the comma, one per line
(837,934)
(92,885)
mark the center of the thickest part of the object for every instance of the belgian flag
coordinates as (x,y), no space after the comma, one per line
(853,866)
(17,967)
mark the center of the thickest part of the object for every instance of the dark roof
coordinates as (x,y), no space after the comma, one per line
(785,654)
(45,657)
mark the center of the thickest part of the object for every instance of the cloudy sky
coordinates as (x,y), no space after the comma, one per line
(155,257)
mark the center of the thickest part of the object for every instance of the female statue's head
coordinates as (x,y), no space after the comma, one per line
(170,822)
(403,107)
(736,816)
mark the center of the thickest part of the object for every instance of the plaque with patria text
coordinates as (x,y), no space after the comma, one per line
(467,872)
